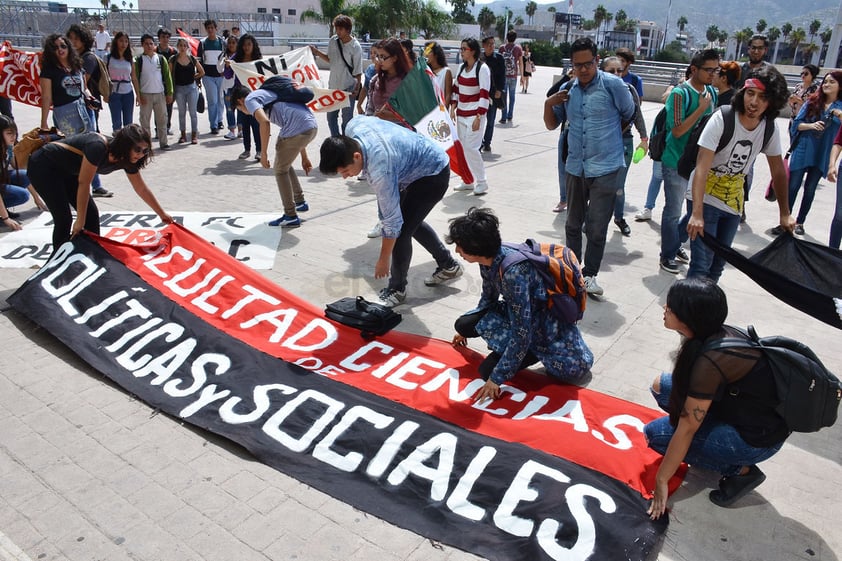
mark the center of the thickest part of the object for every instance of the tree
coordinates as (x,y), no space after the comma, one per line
(723,36)
(518,20)
(712,34)
(329,10)
(621,16)
(486,19)
(626,25)
(461,13)
(500,27)
(682,23)
(434,22)
(105,4)
(531,8)
(551,9)
(786,29)
(741,36)
(588,24)
(795,39)
(825,37)
(809,50)
(600,14)
(774,34)
(761,25)
(367,17)
(815,25)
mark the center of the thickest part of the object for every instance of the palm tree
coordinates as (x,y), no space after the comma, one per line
(551,10)
(682,23)
(712,34)
(774,34)
(740,37)
(485,19)
(786,29)
(330,9)
(600,14)
(809,50)
(531,7)
(815,25)
(795,39)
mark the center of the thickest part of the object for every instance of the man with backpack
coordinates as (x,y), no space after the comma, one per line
(520,329)
(513,57)
(345,57)
(595,105)
(497,95)
(686,104)
(723,161)
(210,54)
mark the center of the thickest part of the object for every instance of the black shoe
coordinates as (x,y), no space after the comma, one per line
(502,121)
(731,489)
(682,256)
(799,229)
(486,148)
(777,231)
(623,226)
(101,192)
(670,266)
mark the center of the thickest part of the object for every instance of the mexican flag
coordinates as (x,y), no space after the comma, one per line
(419,102)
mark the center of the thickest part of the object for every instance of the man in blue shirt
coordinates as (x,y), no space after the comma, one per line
(409,174)
(596,105)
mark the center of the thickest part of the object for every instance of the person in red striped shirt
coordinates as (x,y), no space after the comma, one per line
(470,103)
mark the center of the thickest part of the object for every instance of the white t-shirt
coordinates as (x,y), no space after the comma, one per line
(724,186)
(101,39)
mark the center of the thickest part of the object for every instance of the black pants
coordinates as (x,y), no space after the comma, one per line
(59,193)
(466,326)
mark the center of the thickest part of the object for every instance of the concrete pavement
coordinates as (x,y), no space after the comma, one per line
(87,472)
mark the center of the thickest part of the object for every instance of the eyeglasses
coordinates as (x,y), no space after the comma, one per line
(613,70)
(584,65)
(713,70)
(382,58)
(757,47)
(140,150)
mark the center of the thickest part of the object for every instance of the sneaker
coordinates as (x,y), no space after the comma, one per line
(165,147)
(220,125)
(560,207)
(443,275)
(623,226)
(245,155)
(778,230)
(731,489)
(643,215)
(375,231)
(464,187)
(502,121)
(169,131)
(682,256)
(670,266)
(799,229)
(481,189)
(230,136)
(102,192)
(214,131)
(302,206)
(257,156)
(390,297)
(286,222)
(591,287)
(486,148)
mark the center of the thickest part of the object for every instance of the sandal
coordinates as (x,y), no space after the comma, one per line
(560,207)
(731,489)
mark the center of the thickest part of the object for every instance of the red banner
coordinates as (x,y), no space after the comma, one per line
(586,427)
(192,41)
(19,74)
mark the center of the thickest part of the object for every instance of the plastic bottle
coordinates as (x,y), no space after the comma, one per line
(638,154)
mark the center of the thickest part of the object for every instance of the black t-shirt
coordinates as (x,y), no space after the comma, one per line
(91,67)
(92,145)
(67,87)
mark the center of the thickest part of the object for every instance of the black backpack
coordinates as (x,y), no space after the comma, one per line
(687,161)
(659,132)
(807,393)
(370,318)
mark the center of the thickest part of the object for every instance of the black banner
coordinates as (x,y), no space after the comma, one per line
(496,499)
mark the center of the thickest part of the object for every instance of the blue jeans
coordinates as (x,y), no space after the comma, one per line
(230,110)
(836,223)
(122,110)
(722,226)
(675,187)
(620,202)
(186,98)
(489,124)
(511,88)
(590,201)
(654,185)
(15,192)
(562,171)
(214,98)
(347,115)
(715,446)
(796,176)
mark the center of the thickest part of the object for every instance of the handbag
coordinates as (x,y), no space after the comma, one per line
(200,103)
(32,141)
(370,318)
(770,190)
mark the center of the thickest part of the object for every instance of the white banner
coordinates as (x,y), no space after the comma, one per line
(245,236)
(299,65)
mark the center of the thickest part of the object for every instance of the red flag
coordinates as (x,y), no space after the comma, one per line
(19,74)
(194,43)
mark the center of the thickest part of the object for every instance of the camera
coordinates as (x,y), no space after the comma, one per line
(94,104)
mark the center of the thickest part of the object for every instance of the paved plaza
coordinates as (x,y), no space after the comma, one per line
(87,472)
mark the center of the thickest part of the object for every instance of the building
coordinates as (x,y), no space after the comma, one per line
(651,38)
(289,13)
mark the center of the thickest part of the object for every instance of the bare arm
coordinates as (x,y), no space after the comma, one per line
(780,184)
(688,121)
(46,100)
(550,119)
(696,224)
(265,129)
(833,167)
(83,194)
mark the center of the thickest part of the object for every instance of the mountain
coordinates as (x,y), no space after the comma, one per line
(729,16)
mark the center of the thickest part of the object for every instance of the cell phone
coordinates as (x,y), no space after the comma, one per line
(93,104)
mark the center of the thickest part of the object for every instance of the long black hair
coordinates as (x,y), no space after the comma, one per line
(240,55)
(51,58)
(6,123)
(124,140)
(115,50)
(700,305)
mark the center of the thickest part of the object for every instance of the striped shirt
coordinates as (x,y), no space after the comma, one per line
(470,91)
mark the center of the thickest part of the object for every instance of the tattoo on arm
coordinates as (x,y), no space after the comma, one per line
(699,414)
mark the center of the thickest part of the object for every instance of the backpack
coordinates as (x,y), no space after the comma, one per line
(370,318)
(687,161)
(559,270)
(807,395)
(104,82)
(32,141)
(509,59)
(282,87)
(659,132)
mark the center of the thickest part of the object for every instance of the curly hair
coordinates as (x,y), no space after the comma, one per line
(51,58)
(434,49)
(240,55)
(817,101)
(84,36)
(777,92)
(476,233)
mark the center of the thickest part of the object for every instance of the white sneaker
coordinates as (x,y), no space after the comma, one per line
(591,287)
(464,187)
(643,215)
(245,155)
(375,232)
(230,136)
(481,189)
(257,156)
(443,275)
(390,297)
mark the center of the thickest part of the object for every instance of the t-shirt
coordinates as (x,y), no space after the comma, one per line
(91,67)
(101,39)
(210,54)
(724,185)
(293,118)
(511,54)
(676,113)
(67,87)
(120,70)
(351,53)
(92,145)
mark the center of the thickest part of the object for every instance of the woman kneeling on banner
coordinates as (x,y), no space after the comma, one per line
(708,427)
(520,329)
(62,172)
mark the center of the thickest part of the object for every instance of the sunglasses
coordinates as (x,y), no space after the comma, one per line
(61,47)
(805,73)
(139,150)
